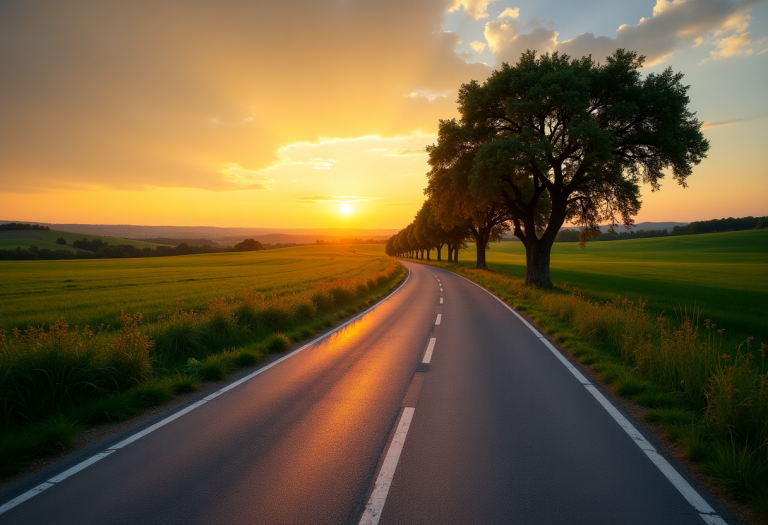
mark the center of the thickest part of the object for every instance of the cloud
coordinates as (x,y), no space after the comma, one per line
(478,46)
(505,39)
(510,13)
(250,179)
(406,153)
(710,125)
(673,25)
(476,9)
(316,199)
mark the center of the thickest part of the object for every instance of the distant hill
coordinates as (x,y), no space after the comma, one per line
(223,236)
(47,239)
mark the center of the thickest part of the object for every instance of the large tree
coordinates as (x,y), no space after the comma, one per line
(560,139)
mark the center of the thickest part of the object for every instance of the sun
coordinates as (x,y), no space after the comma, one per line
(345,209)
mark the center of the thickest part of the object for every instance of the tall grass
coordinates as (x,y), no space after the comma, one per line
(106,375)
(669,363)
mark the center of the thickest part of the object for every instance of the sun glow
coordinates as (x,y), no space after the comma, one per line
(345,209)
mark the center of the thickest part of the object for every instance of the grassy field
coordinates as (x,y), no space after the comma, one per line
(47,239)
(722,275)
(94,291)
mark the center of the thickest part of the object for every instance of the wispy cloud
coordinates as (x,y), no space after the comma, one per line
(240,176)
(406,153)
(710,125)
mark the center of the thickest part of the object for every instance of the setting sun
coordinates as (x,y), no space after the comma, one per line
(345,209)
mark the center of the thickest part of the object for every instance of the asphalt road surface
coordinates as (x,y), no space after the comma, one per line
(439,406)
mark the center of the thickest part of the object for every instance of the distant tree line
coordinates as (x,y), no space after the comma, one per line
(351,240)
(711,226)
(571,235)
(99,249)
(174,241)
(722,225)
(21,226)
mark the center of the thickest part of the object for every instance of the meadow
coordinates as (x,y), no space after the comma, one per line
(89,341)
(94,291)
(720,276)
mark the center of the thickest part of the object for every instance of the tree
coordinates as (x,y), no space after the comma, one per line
(248,245)
(485,219)
(61,240)
(559,139)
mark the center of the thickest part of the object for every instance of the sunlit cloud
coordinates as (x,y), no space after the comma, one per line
(406,153)
(251,179)
(510,13)
(476,9)
(478,46)
(710,125)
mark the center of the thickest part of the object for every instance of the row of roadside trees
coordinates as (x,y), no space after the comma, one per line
(547,141)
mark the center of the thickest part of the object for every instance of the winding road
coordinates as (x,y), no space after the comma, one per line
(440,405)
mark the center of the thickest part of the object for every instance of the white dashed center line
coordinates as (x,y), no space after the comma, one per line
(430,349)
(372,513)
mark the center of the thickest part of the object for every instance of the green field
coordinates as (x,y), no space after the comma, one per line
(723,275)
(93,291)
(47,239)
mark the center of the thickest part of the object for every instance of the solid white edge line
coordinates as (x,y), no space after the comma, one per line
(439,318)
(93,459)
(430,349)
(706,512)
(373,509)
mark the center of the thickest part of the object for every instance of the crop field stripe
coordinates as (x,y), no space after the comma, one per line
(135,437)
(706,512)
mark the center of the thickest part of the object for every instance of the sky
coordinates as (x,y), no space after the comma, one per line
(316,113)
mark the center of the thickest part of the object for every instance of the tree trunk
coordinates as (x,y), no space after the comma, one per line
(428,250)
(456,253)
(439,250)
(537,264)
(481,243)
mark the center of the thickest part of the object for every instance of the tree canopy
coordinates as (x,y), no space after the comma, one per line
(556,139)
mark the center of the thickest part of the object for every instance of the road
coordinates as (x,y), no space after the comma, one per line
(357,428)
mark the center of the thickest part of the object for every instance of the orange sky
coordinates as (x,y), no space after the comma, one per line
(277,114)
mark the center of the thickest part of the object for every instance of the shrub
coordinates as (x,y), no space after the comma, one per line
(179,336)
(277,343)
(151,394)
(341,295)
(322,301)
(181,382)
(303,311)
(115,407)
(361,290)
(216,367)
